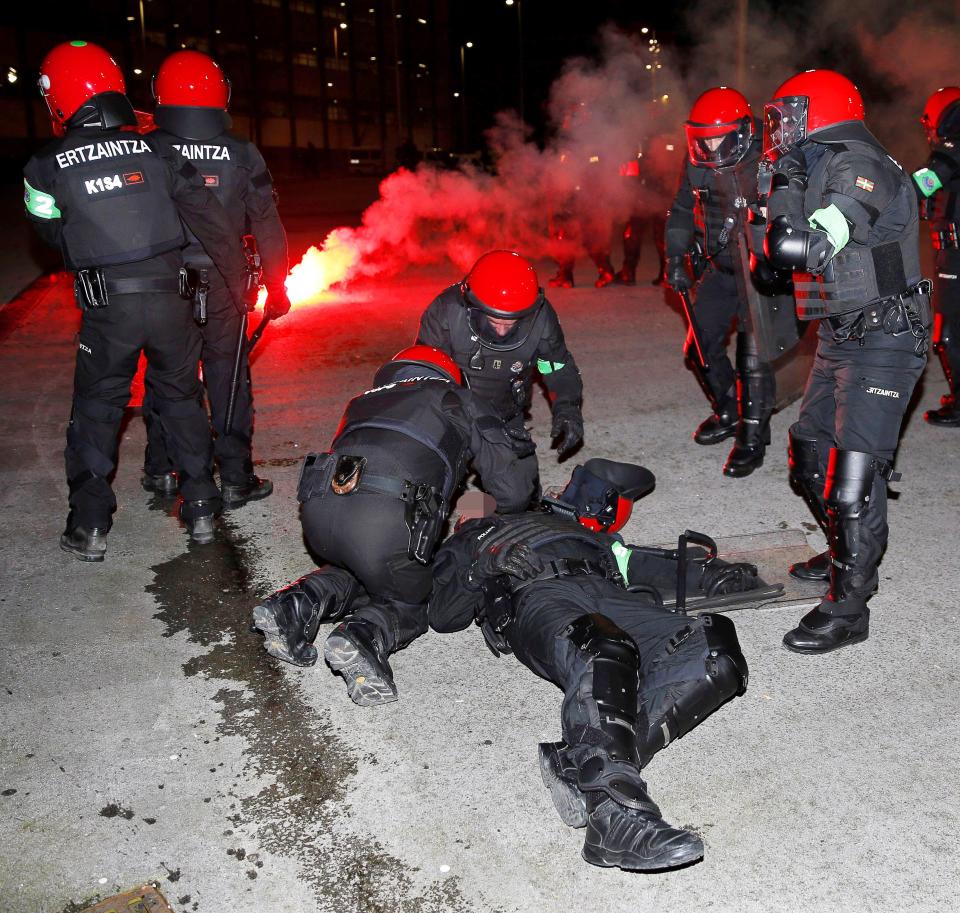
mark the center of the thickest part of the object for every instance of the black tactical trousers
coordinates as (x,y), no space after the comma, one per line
(947,303)
(545,610)
(855,399)
(110,342)
(366,534)
(231,451)
(717,304)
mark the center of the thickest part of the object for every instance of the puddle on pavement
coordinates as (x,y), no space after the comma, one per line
(207,593)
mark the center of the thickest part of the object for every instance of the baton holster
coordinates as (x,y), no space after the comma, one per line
(90,289)
(496,615)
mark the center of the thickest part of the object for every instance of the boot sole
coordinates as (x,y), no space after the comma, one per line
(274,641)
(201,538)
(630,863)
(812,651)
(365,685)
(81,555)
(263,492)
(568,800)
(808,578)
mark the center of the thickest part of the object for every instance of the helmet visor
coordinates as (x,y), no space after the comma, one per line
(718,145)
(784,125)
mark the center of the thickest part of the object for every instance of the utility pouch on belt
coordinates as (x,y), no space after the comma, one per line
(90,288)
(496,615)
(314,475)
(425,514)
(347,473)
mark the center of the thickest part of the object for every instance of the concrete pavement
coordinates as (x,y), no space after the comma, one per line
(146,736)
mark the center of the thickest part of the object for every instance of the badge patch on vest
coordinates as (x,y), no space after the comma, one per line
(108,184)
(864,184)
(497,364)
(211,180)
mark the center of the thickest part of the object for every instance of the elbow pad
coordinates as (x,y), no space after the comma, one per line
(785,247)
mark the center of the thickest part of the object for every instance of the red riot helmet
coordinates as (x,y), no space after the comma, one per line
(600,493)
(806,103)
(429,357)
(73,73)
(190,79)
(503,285)
(933,111)
(719,129)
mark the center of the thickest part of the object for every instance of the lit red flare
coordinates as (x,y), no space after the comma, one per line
(320,269)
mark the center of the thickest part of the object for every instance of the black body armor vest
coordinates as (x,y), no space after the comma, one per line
(112,190)
(862,273)
(412,408)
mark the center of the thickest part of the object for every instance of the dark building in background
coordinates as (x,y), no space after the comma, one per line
(314,83)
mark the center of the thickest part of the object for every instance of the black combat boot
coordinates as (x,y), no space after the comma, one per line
(815,568)
(855,499)
(627,275)
(290,618)
(237,494)
(756,391)
(947,416)
(354,651)
(84,543)
(635,839)
(164,484)
(720,425)
(198,517)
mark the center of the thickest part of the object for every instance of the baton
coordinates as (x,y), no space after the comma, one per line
(257,333)
(694,326)
(237,359)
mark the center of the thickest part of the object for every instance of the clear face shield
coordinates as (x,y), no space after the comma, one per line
(719,145)
(784,125)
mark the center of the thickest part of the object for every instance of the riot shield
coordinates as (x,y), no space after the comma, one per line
(784,342)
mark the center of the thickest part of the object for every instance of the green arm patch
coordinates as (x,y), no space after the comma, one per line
(38,203)
(927,181)
(832,221)
(622,554)
(548,367)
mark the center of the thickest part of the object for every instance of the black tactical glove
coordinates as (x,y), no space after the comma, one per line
(567,429)
(677,276)
(520,440)
(278,304)
(516,560)
(791,164)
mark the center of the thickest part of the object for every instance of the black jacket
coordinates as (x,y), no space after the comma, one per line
(500,369)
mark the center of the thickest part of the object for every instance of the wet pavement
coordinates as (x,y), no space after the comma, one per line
(147,737)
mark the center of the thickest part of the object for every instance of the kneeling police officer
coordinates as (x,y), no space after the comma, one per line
(112,201)
(373,509)
(498,326)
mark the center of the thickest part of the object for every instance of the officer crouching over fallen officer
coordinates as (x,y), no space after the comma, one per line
(606,622)
(373,510)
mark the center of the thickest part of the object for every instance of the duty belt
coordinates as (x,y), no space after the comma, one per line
(896,316)
(566,567)
(137,284)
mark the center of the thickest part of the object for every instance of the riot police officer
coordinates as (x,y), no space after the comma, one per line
(843,215)
(192,96)
(374,509)
(586,612)
(705,224)
(938,183)
(498,326)
(112,201)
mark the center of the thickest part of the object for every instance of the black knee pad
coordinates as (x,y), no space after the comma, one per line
(704,677)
